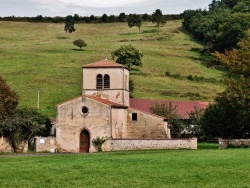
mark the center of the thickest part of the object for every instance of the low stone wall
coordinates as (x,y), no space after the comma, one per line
(46,144)
(153,144)
(4,145)
(225,143)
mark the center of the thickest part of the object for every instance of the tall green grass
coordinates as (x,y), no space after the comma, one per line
(166,168)
(41,56)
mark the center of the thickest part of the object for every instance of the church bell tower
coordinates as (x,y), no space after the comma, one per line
(108,80)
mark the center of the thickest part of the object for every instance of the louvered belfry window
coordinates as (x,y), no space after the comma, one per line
(106,81)
(99,81)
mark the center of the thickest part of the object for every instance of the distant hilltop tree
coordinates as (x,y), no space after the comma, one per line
(122,17)
(134,20)
(158,18)
(104,18)
(69,24)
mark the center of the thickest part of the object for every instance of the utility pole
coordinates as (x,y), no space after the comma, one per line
(38,99)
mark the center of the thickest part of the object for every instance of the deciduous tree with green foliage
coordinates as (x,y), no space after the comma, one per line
(8,99)
(79,43)
(22,126)
(127,55)
(158,18)
(229,116)
(122,17)
(69,24)
(104,18)
(232,31)
(134,20)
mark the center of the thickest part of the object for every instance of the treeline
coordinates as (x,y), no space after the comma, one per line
(86,19)
(222,26)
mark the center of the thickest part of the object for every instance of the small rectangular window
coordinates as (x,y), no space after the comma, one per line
(134,116)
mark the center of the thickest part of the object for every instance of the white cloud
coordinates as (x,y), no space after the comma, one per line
(95,7)
(90,3)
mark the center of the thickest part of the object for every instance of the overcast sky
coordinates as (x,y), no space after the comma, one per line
(95,7)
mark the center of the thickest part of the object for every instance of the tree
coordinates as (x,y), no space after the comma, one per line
(8,99)
(92,18)
(122,17)
(226,121)
(242,6)
(112,19)
(98,142)
(79,43)
(39,18)
(69,24)
(158,18)
(23,126)
(232,31)
(230,3)
(134,20)
(77,18)
(237,60)
(104,18)
(146,17)
(127,55)
(229,116)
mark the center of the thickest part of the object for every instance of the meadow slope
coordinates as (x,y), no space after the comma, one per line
(41,56)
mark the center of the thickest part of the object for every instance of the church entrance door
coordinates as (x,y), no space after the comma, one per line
(84,141)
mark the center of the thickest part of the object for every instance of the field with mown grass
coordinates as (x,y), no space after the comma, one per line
(207,167)
(41,56)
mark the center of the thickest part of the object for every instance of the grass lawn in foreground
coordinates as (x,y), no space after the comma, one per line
(165,168)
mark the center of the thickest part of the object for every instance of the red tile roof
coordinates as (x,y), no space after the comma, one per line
(107,102)
(101,100)
(103,64)
(183,106)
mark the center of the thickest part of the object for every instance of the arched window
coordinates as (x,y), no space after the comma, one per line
(106,81)
(99,81)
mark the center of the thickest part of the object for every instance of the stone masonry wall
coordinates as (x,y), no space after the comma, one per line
(4,145)
(147,126)
(43,144)
(225,143)
(153,144)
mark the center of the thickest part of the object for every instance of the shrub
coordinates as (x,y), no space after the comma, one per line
(79,43)
(98,142)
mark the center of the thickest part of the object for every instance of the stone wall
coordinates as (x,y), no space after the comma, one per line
(46,144)
(153,144)
(4,145)
(225,143)
(146,126)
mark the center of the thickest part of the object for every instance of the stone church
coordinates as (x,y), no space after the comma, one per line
(103,111)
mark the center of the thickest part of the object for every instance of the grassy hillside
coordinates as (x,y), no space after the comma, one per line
(41,56)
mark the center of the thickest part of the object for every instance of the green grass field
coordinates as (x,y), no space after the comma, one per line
(207,167)
(41,56)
